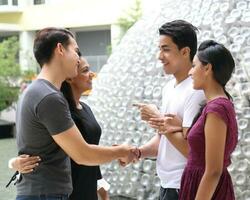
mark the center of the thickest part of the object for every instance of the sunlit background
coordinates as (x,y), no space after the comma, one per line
(128,72)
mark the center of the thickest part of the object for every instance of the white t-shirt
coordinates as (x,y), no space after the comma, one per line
(184,101)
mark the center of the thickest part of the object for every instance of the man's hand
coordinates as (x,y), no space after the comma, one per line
(25,163)
(148,111)
(132,156)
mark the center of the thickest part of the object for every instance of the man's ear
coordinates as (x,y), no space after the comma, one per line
(185,52)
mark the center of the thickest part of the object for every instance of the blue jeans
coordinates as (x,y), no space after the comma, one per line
(43,197)
(168,194)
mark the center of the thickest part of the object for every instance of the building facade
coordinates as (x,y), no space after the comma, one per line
(93,23)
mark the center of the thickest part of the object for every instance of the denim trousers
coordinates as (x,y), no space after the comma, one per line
(43,197)
(168,194)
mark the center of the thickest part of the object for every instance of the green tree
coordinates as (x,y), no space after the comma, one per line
(9,71)
(127,20)
(130,17)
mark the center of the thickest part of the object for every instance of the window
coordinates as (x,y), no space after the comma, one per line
(93,45)
(3,2)
(37,2)
(8,2)
(14,2)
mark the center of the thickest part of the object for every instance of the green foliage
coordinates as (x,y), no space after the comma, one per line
(28,75)
(7,96)
(8,57)
(9,71)
(126,21)
(109,49)
(130,17)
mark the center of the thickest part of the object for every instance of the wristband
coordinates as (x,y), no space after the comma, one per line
(139,156)
(10,163)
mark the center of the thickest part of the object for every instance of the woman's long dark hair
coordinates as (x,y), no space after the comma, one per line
(222,63)
(221,60)
(68,94)
(202,105)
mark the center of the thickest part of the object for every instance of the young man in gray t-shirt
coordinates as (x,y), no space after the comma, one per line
(43,112)
(44,125)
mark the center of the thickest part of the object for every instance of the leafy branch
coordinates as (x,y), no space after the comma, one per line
(9,71)
(127,20)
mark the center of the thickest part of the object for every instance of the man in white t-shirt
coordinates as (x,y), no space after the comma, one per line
(178,44)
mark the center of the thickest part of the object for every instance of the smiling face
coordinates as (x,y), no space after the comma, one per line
(171,57)
(198,74)
(83,81)
(70,59)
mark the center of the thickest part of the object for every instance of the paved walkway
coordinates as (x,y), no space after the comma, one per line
(7,150)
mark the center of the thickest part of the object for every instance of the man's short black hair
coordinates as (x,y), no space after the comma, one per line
(182,33)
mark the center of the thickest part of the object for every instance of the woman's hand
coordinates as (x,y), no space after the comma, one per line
(168,124)
(103,194)
(25,163)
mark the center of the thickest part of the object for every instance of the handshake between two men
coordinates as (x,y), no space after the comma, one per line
(164,124)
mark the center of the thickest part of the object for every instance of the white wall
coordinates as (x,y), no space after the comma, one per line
(27,60)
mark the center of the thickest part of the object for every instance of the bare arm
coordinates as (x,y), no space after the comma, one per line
(150,149)
(215,138)
(179,142)
(103,194)
(75,146)
(171,127)
(24,163)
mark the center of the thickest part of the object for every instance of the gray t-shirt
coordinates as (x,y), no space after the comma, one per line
(43,111)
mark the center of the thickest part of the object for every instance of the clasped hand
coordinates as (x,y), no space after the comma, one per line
(148,111)
(132,155)
(169,123)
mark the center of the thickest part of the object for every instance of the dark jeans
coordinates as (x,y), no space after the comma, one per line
(43,197)
(169,194)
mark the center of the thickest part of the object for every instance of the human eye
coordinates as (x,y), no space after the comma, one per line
(85,70)
(165,49)
(78,52)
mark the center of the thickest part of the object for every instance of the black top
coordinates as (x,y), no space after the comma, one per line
(85,178)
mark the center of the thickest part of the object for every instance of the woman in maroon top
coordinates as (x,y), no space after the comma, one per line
(213,136)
